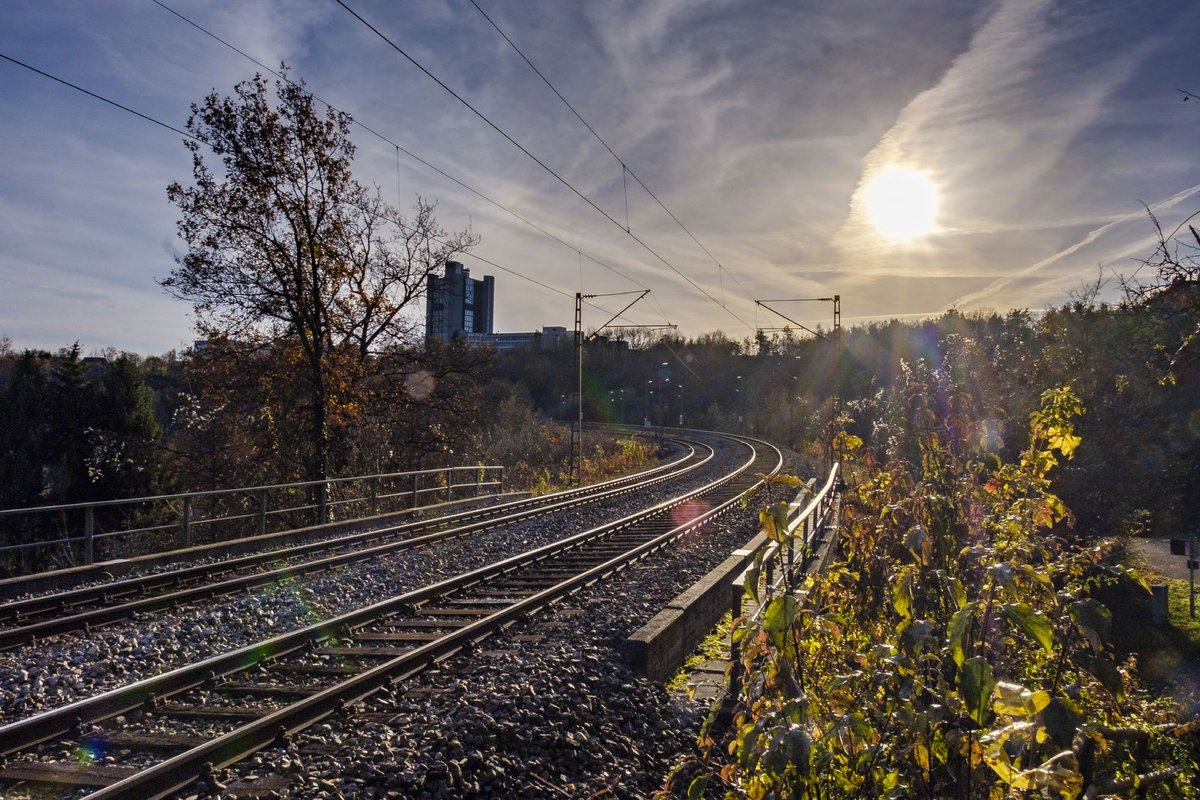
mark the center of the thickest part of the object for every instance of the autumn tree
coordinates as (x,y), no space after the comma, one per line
(288,253)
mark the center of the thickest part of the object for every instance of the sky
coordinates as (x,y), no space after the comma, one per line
(1041,128)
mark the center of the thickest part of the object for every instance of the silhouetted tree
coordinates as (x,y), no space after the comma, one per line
(287,250)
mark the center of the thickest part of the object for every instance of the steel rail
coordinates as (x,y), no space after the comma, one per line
(78,574)
(53,600)
(167,776)
(187,522)
(475,521)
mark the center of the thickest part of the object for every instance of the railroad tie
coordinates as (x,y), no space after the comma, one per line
(98,775)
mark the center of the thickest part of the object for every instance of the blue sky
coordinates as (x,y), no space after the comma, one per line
(1044,126)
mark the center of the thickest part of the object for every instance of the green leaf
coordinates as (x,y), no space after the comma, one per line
(954,588)
(1002,575)
(916,634)
(784,479)
(798,746)
(1033,624)
(1039,577)
(958,634)
(780,512)
(750,587)
(1104,670)
(696,787)
(780,616)
(975,684)
(1094,621)
(1061,718)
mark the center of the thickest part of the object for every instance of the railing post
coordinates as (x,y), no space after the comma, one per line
(262,512)
(810,527)
(500,482)
(413,504)
(449,482)
(791,558)
(322,507)
(89,534)
(185,523)
(735,608)
(478,481)
(374,495)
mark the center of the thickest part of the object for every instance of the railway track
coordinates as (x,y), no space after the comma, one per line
(181,726)
(25,621)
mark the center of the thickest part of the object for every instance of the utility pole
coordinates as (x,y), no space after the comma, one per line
(576,460)
(836,404)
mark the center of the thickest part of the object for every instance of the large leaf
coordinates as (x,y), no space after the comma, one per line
(1094,621)
(959,632)
(769,523)
(798,746)
(916,634)
(902,594)
(751,582)
(1104,670)
(1058,777)
(1002,575)
(1033,624)
(784,480)
(954,588)
(780,616)
(1015,700)
(975,684)
(1061,718)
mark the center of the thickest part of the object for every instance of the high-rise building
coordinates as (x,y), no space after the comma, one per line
(457,305)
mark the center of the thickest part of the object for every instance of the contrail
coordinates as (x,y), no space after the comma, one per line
(1002,283)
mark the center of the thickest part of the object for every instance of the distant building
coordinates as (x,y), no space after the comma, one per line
(458,306)
(549,338)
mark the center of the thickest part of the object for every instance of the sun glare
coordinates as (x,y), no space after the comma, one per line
(902,203)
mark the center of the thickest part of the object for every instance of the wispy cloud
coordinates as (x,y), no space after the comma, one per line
(757,122)
(1143,243)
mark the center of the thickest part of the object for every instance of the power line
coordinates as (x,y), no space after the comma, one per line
(624,167)
(114,103)
(206,144)
(402,149)
(534,158)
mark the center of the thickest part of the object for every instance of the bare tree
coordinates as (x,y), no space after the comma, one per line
(286,249)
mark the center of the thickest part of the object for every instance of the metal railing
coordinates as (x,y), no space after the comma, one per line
(79,533)
(805,520)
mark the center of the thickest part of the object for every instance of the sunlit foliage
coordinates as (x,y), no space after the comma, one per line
(957,647)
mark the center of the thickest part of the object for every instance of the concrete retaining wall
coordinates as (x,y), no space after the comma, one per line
(659,647)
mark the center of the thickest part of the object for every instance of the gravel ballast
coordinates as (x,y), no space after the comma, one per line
(68,667)
(544,709)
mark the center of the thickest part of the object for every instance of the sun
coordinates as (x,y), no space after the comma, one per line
(902,203)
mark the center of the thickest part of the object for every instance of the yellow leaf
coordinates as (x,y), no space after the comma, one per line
(921,755)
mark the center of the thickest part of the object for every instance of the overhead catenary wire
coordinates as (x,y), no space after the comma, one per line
(535,159)
(172,128)
(102,99)
(400,149)
(624,166)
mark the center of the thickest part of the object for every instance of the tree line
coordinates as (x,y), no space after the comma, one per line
(305,286)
